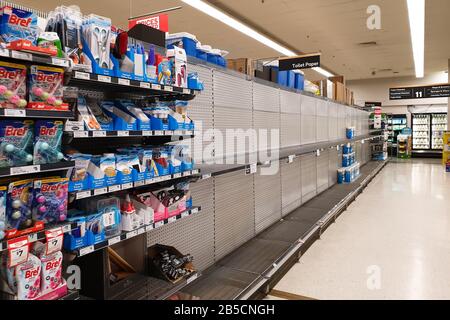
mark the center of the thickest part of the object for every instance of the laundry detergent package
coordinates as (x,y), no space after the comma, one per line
(47,145)
(17,24)
(50,197)
(16,143)
(2,212)
(28,276)
(13,85)
(46,88)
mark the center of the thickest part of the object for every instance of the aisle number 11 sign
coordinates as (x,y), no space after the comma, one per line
(424,92)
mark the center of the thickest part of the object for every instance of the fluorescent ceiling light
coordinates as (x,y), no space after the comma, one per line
(416,13)
(239,26)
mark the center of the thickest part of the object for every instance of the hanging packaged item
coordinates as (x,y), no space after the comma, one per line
(28,276)
(50,200)
(47,145)
(177,57)
(13,85)
(17,24)
(46,88)
(16,143)
(2,212)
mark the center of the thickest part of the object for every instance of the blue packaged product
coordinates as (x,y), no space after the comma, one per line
(17,24)
(16,143)
(50,198)
(2,212)
(19,201)
(47,145)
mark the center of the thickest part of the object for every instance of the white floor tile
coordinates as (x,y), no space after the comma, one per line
(393,242)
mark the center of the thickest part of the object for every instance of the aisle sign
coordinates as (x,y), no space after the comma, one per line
(424,92)
(306,61)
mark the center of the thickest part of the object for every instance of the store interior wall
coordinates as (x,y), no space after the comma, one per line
(377,90)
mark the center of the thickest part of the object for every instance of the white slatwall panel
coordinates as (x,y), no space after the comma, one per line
(290,130)
(309,176)
(291,186)
(322,171)
(290,102)
(308,123)
(322,128)
(266,98)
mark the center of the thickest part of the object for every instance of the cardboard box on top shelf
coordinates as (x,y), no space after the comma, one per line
(239,65)
(330,89)
(339,95)
(339,79)
(264,74)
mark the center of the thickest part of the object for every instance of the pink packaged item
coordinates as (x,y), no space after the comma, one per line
(28,276)
(51,274)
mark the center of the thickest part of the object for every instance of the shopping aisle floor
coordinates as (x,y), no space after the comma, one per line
(393,242)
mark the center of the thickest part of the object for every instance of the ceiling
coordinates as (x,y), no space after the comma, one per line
(333,27)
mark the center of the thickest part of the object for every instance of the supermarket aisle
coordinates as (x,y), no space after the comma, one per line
(392,243)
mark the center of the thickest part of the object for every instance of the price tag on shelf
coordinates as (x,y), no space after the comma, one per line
(251,169)
(145,85)
(176,133)
(100,191)
(106,79)
(99,134)
(82,75)
(139,183)
(195,171)
(187,173)
(124,82)
(126,186)
(186,91)
(159,133)
(114,240)
(86,250)
(54,241)
(32,237)
(318,152)
(206,176)
(177,175)
(114,188)
(60,62)
(140,231)
(149,181)
(123,133)
(194,211)
(25,170)
(80,134)
(149,228)
(291,158)
(192,278)
(172,219)
(185,214)
(132,234)
(156,86)
(66,228)
(83,194)
(168,88)
(147,133)
(15,113)
(159,224)
(18,250)
(21,55)
(4,52)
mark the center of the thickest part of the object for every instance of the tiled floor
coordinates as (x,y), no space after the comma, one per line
(393,242)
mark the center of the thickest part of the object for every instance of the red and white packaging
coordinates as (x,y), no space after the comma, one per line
(51,272)
(28,276)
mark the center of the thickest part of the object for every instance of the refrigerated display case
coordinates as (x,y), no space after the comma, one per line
(438,128)
(427,133)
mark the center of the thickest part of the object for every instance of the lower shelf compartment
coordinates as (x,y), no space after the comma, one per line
(249,271)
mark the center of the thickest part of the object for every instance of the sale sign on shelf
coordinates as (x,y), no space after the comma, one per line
(18,250)
(54,240)
(160,22)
